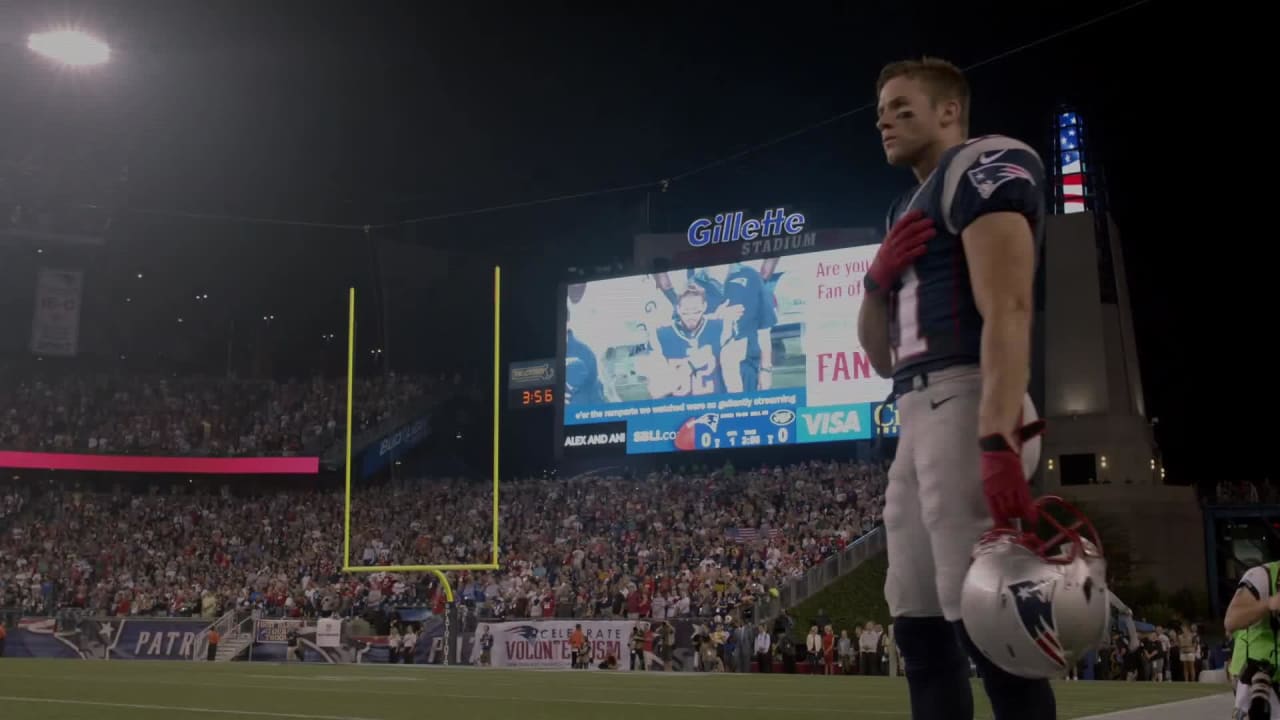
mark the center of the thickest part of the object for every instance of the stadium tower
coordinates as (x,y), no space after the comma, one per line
(1100,447)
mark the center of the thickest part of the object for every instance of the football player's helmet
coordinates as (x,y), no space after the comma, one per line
(1034,607)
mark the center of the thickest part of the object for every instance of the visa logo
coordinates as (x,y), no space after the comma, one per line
(833,423)
(842,422)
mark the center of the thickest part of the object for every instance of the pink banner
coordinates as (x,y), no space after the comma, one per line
(147,464)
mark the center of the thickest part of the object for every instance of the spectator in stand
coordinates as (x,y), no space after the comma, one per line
(867,642)
(602,544)
(410,644)
(813,644)
(764,649)
(152,414)
(845,649)
(1189,652)
(828,651)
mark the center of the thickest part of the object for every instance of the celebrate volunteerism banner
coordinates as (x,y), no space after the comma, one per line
(545,644)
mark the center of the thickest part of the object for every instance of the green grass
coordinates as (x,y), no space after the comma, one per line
(850,601)
(146,690)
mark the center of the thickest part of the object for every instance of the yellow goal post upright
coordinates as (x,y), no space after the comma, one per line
(437,570)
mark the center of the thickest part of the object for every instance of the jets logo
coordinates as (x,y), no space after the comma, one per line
(1034,603)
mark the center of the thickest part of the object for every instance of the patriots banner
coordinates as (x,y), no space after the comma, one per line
(545,644)
(107,638)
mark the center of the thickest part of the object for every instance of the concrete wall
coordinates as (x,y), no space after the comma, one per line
(1163,526)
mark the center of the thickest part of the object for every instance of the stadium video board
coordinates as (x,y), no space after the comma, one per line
(753,353)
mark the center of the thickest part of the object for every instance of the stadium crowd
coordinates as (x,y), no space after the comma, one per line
(661,546)
(1247,492)
(153,415)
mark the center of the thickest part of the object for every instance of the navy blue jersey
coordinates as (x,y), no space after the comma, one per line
(745,287)
(934,322)
(694,352)
(581,373)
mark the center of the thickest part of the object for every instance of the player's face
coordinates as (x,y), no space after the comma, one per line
(691,311)
(907,119)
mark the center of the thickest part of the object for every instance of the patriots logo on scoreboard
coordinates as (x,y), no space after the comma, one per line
(687,436)
(1034,603)
(986,178)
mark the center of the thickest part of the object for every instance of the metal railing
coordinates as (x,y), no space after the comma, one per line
(228,626)
(818,577)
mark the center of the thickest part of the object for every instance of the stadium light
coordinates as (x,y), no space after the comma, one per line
(74,48)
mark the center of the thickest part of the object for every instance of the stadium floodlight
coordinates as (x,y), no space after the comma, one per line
(74,48)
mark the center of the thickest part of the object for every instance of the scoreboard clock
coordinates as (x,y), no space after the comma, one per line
(531,397)
(532,384)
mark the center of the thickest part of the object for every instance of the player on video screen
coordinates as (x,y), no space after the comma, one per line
(582,377)
(691,347)
(738,295)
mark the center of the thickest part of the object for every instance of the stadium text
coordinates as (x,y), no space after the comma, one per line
(155,643)
(829,272)
(595,439)
(559,650)
(837,366)
(732,227)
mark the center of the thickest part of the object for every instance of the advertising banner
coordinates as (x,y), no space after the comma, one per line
(149,464)
(509,646)
(107,638)
(545,644)
(55,324)
(531,374)
(394,445)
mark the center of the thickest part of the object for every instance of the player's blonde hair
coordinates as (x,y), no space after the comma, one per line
(942,79)
(693,290)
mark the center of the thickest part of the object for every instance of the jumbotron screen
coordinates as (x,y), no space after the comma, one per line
(749,354)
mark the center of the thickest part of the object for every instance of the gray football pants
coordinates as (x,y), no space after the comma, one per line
(934,507)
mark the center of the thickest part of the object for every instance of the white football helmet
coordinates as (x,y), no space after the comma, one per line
(1035,607)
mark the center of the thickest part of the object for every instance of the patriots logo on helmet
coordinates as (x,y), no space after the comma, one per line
(687,436)
(989,177)
(1034,602)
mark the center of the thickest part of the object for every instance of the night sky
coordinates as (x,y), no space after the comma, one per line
(377,112)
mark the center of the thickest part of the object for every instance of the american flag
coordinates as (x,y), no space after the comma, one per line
(747,535)
(1071,167)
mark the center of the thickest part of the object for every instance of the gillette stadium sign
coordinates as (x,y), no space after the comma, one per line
(732,227)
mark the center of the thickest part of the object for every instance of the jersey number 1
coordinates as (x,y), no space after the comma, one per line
(910,342)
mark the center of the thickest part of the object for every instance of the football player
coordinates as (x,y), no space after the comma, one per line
(691,347)
(582,384)
(739,295)
(948,317)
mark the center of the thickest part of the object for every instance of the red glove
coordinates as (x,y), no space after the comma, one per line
(904,243)
(1003,482)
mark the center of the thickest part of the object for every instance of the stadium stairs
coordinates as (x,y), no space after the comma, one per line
(335,454)
(232,647)
(849,602)
(833,577)
(236,635)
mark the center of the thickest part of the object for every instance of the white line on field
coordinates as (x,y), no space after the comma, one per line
(172,708)
(1211,706)
(465,696)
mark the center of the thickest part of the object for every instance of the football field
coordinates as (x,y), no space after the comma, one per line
(64,689)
